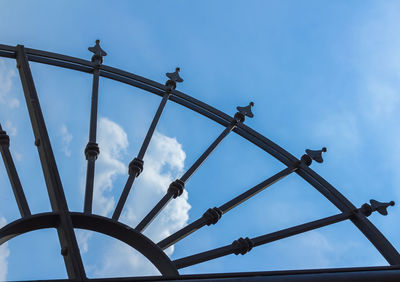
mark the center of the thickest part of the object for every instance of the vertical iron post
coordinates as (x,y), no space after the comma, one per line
(66,235)
(92,148)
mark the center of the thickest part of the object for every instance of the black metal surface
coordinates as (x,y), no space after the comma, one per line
(202,221)
(173,193)
(73,260)
(135,170)
(244,245)
(129,236)
(352,274)
(98,224)
(65,221)
(92,149)
(12,174)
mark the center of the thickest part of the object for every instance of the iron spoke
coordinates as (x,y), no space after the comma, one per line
(214,217)
(136,166)
(176,188)
(244,245)
(92,149)
(12,174)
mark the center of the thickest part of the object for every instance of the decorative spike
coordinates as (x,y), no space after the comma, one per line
(246,110)
(316,155)
(380,207)
(243,112)
(98,52)
(173,78)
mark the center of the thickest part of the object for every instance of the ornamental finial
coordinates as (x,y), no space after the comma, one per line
(173,78)
(98,52)
(311,155)
(244,112)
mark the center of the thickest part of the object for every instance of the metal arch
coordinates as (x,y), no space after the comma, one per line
(342,203)
(98,224)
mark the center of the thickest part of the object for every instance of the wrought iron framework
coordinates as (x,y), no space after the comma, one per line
(65,221)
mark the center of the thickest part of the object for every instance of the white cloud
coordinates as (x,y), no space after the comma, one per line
(113,142)
(13,103)
(83,236)
(164,162)
(4,253)
(66,139)
(6,77)
(10,128)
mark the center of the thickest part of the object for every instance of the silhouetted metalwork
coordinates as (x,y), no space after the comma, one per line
(176,188)
(92,150)
(136,166)
(69,245)
(65,221)
(244,245)
(12,174)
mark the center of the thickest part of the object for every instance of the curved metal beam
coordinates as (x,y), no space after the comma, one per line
(129,236)
(334,196)
(98,224)
(28,224)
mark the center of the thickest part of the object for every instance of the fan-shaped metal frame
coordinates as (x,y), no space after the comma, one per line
(65,221)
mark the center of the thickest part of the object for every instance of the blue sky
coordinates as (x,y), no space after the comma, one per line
(321,73)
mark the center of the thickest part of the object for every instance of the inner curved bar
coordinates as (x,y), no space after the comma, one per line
(98,224)
(344,205)
(28,224)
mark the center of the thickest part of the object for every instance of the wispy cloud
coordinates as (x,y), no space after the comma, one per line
(113,142)
(164,162)
(66,139)
(6,82)
(10,128)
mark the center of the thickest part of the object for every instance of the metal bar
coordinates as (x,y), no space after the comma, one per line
(153,125)
(291,231)
(58,63)
(134,169)
(124,196)
(7,54)
(209,150)
(92,149)
(353,274)
(201,222)
(168,196)
(69,246)
(154,212)
(28,224)
(363,224)
(181,234)
(257,241)
(12,174)
(257,189)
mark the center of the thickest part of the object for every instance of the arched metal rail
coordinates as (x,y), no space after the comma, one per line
(98,224)
(349,211)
